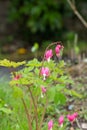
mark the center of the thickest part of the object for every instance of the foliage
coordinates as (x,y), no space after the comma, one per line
(39,19)
(29,82)
(7,63)
(4,107)
(37,14)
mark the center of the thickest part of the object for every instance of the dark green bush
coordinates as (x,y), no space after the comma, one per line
(41,19)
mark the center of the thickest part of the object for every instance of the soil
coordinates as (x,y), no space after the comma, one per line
(79,75)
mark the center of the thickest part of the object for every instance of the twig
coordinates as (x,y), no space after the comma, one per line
(27,114)
(73,7)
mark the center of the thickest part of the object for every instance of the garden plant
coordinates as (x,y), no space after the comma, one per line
(42,87)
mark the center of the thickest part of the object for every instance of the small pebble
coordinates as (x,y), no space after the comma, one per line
(84,126)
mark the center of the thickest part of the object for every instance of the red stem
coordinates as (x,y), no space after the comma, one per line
(35,107)
(27,114)
(44,111)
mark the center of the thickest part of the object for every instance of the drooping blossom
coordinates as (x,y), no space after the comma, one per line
(72,117)
(18,76)
(75,114)
(43,89)
(48,54)
(44,72)
(50,125)
(58,50)
(61,120)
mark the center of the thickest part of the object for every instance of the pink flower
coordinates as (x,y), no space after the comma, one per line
(50,125)
(43,89)
(17,77)
(48,55)
(59,46)
(72,117)
(58,49)
(61,120)
(75,114)
(45,72)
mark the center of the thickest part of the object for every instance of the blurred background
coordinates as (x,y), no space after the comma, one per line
(28,26)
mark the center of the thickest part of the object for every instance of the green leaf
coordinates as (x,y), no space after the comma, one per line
(51,94)
(59,98)
(61,64)
(37,91)
(74,93)
(59,87)
(8,63)
(34,63)
(27,69)
(17,92)
(6,110)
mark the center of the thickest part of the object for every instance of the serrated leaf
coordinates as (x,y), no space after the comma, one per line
(27,69)
(34,63)
(8,63)
(37,71)
(61,64)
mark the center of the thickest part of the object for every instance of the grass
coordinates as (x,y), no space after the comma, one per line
(16,120)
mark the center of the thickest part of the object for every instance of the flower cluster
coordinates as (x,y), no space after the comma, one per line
(45,72)
(48,55)
(71,118)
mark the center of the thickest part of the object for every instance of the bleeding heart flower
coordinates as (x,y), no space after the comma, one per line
(50,125)
(58,49)
(61,120)
(45,72)
(18,76)
(75,114)
(48,55)
(72,117)
(43,89)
